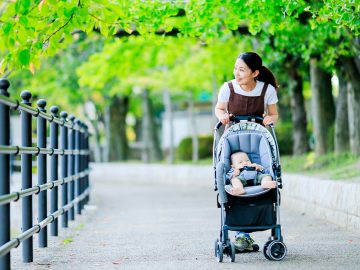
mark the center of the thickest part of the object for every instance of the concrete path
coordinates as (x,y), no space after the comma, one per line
(158,226)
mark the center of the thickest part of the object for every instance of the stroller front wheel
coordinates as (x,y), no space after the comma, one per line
(215,246)
(219,251)
(232,252)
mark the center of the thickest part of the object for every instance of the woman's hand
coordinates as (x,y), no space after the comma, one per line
(268,120)
(225,118)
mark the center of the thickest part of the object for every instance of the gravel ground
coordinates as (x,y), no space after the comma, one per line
(156,226)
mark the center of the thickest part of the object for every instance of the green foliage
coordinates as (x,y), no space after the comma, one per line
(35,29)
(184,149)
(284,137)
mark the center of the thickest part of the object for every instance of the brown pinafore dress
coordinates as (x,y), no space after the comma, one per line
(244,105)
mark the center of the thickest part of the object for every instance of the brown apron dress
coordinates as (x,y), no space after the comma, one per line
(244,105)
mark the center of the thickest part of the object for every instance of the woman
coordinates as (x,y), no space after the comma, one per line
(252,92)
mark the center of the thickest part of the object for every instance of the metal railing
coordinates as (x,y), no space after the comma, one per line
(74,166)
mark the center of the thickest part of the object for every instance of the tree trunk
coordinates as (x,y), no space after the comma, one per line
(341,120)
(193,129)
(97,147)
(151,143)
(298,112)
(322,107)
(170,123)
(119,147)
(353,75)
(215,90)
(106,147)
(94,122)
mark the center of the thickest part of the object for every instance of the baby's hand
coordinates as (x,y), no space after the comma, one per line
(236,172)
(258,167)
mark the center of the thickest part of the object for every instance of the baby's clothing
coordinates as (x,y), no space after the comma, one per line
(257,181)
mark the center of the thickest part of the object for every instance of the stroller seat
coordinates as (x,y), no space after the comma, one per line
(256,142)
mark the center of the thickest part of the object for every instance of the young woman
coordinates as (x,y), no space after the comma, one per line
(252,92)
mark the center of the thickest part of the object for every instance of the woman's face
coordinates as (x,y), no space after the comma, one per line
(243,74)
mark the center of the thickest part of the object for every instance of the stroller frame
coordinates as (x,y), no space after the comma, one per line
(274,248)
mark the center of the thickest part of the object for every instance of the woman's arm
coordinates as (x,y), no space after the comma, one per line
(221,112)
(272,115)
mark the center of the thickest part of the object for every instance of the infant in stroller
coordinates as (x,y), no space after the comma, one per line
(243,171)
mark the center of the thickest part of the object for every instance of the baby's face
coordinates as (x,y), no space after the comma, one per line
(240,160)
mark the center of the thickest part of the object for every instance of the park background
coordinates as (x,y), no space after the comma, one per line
(144,75)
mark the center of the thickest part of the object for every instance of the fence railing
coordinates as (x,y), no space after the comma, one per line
(74,167)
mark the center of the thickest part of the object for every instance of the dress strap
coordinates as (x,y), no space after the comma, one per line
(231,87)
(263,91)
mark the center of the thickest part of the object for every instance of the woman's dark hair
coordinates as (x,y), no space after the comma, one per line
(254,62)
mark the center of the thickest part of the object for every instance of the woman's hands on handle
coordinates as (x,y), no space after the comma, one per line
(268,120)
(225,118)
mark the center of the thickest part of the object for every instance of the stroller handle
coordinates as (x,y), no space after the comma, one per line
(238,118)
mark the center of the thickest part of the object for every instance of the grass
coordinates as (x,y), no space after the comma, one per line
(337,167)
(68,240)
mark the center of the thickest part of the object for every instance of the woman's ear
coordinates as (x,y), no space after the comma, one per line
(256,73)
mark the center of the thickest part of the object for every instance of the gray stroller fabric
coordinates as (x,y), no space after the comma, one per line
(251,138)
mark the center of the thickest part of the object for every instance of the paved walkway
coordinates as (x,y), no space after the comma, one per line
(158,226)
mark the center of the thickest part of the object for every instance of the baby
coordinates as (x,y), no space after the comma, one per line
(238,161)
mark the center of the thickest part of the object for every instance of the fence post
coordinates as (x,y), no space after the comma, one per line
(26,177)
(64,167)
(4,175)
(78,164)
(54,170)
(71,167)
(42,172)
(87,161)
(82,165)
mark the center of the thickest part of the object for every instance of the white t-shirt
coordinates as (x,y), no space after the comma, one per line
(269,99)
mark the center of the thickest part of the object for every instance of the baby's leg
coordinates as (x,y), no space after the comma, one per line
(267,182)
(237,187)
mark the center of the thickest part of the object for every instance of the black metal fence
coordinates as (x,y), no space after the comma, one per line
(74,167)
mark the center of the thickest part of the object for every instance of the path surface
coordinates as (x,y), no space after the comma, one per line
(157,226)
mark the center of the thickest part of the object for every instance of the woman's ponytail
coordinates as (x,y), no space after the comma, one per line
(265,75)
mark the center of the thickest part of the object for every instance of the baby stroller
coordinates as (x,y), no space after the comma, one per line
(258,208)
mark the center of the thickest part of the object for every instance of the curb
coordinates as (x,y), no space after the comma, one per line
(334,201)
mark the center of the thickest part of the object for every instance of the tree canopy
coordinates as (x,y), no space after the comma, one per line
(39,28)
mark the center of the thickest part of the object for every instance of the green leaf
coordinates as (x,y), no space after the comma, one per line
(24,57)
(24,21)
(7,27)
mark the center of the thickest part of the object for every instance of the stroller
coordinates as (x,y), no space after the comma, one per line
(258,208)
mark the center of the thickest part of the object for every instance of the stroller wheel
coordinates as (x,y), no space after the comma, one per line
(276,250)
(215,246)
(255,247)
(232,252)
(219,252)
(265,250)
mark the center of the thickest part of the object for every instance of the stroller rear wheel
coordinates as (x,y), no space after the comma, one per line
(275,250)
